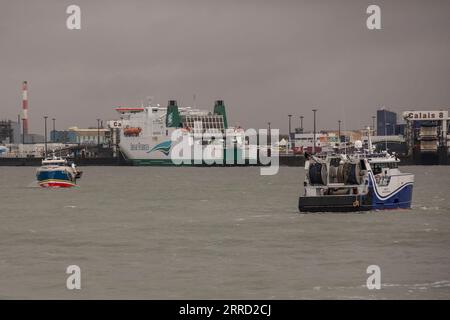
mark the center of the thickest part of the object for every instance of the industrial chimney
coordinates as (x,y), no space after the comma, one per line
(25,107)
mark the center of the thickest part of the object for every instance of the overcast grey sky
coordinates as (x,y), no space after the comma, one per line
(266,59)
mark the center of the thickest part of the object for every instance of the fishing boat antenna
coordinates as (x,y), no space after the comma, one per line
(369,140)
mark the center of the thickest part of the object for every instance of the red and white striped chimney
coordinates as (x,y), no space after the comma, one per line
(25,107)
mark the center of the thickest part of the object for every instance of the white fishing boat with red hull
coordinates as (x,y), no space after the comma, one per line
(57,172)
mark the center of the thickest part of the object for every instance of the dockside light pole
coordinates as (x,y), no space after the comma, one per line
(45,136)
(373,124)
(289,140)
(290,116)
(18,123)
(269,141)
(385,134)
(98,135)
(23,131)
(339,133)
(314,132)
(53,136)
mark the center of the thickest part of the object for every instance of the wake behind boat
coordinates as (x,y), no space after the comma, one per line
(356,182)
(57,172)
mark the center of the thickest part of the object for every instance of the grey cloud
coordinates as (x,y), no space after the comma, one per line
(266,59)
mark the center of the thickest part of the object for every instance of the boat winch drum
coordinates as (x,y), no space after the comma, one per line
(317,173)
(333,174)
(352,173)
(340,174)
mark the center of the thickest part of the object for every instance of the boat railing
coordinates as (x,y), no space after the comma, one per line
(341,185)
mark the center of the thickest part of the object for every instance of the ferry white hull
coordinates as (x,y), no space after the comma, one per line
(158,151)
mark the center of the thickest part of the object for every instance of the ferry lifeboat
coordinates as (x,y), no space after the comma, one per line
(132,132)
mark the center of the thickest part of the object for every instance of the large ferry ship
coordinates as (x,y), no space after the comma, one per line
(360,181)
(146,135)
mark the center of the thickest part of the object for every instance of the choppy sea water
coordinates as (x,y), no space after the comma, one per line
(215,233)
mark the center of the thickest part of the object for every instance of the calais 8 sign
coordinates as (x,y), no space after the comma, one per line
(425,115)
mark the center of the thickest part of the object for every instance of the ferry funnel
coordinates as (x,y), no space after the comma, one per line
(173,118)
(219,108)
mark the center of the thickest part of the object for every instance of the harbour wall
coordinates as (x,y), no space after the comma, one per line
(284,160)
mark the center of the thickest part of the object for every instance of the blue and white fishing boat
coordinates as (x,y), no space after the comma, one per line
(361,181)
(57,172)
